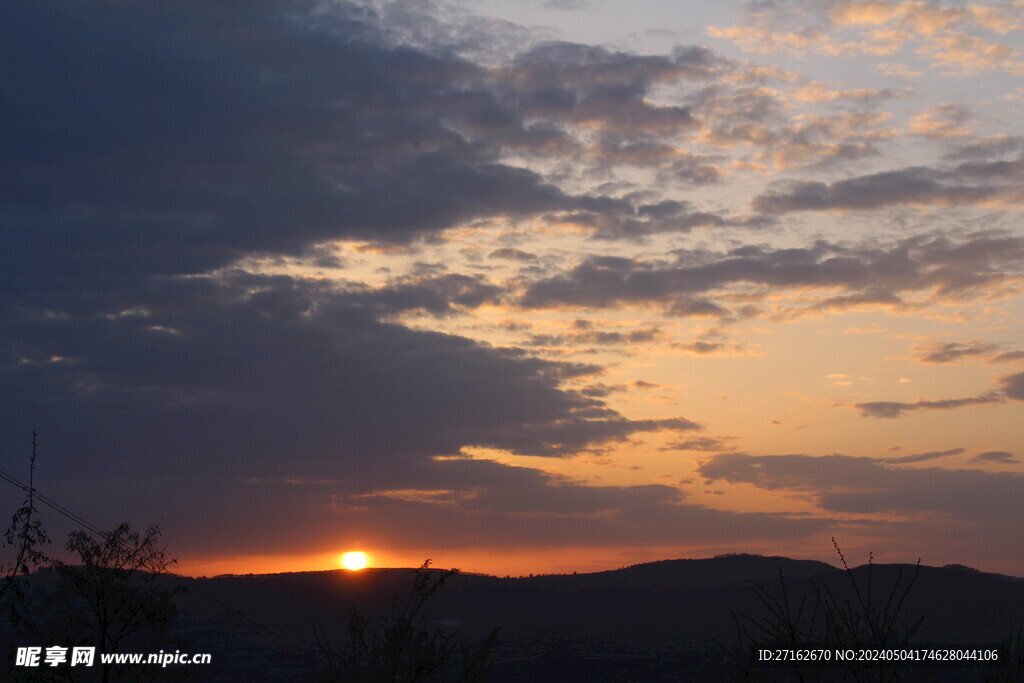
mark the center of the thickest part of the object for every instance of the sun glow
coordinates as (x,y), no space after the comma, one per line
(353,561)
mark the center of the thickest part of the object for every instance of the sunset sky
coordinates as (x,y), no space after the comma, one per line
(535,286)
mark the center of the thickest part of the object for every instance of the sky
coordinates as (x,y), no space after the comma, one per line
(532,287)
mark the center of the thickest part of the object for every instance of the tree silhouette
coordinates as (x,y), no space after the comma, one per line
(26,535)
(117,594)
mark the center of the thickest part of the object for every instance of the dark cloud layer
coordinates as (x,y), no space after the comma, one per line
(319,382)
(146,139)
(148,146)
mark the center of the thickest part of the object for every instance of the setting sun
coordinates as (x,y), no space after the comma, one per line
(353,561)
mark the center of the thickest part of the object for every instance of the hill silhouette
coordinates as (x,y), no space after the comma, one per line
(666,620)
(720,570)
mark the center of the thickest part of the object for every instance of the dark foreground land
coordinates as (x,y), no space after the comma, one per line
(662,621)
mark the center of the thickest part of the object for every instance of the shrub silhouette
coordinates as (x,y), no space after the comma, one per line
(862,619)
(402,647)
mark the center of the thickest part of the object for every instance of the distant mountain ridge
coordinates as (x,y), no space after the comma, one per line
(675,573)
(718,570)
(642,622)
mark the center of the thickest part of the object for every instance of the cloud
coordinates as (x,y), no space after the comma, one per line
(651,219)
(868,274)
(949,37)
(480,504)
(155,152)
(585,335)
(630,151)
(600,390)
(1012,387)
(964,185)
(951,352)
(921,457)
(703,348)
(565,4)
(1000,457)
(760,39)
(941,121)
(701,443)
(897,70)
(846,484)
(436,505)
(818,92)
(989,147)
(592,86)
(762,118)
(280,128)
(893,409)
(511,254)
(208,138)
(965,54)
(519,507)
(322,385)
(221,129)
(439,295)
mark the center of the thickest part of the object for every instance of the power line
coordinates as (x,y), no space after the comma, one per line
(248,622)
(54,505)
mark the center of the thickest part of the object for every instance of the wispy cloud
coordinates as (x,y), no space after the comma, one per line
(1012,388)
(841,483)
(972,183)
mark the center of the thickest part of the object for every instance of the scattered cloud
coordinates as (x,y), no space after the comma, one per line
(998,457)
(898,70)
(941,121)
(951,352)
(955,40)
